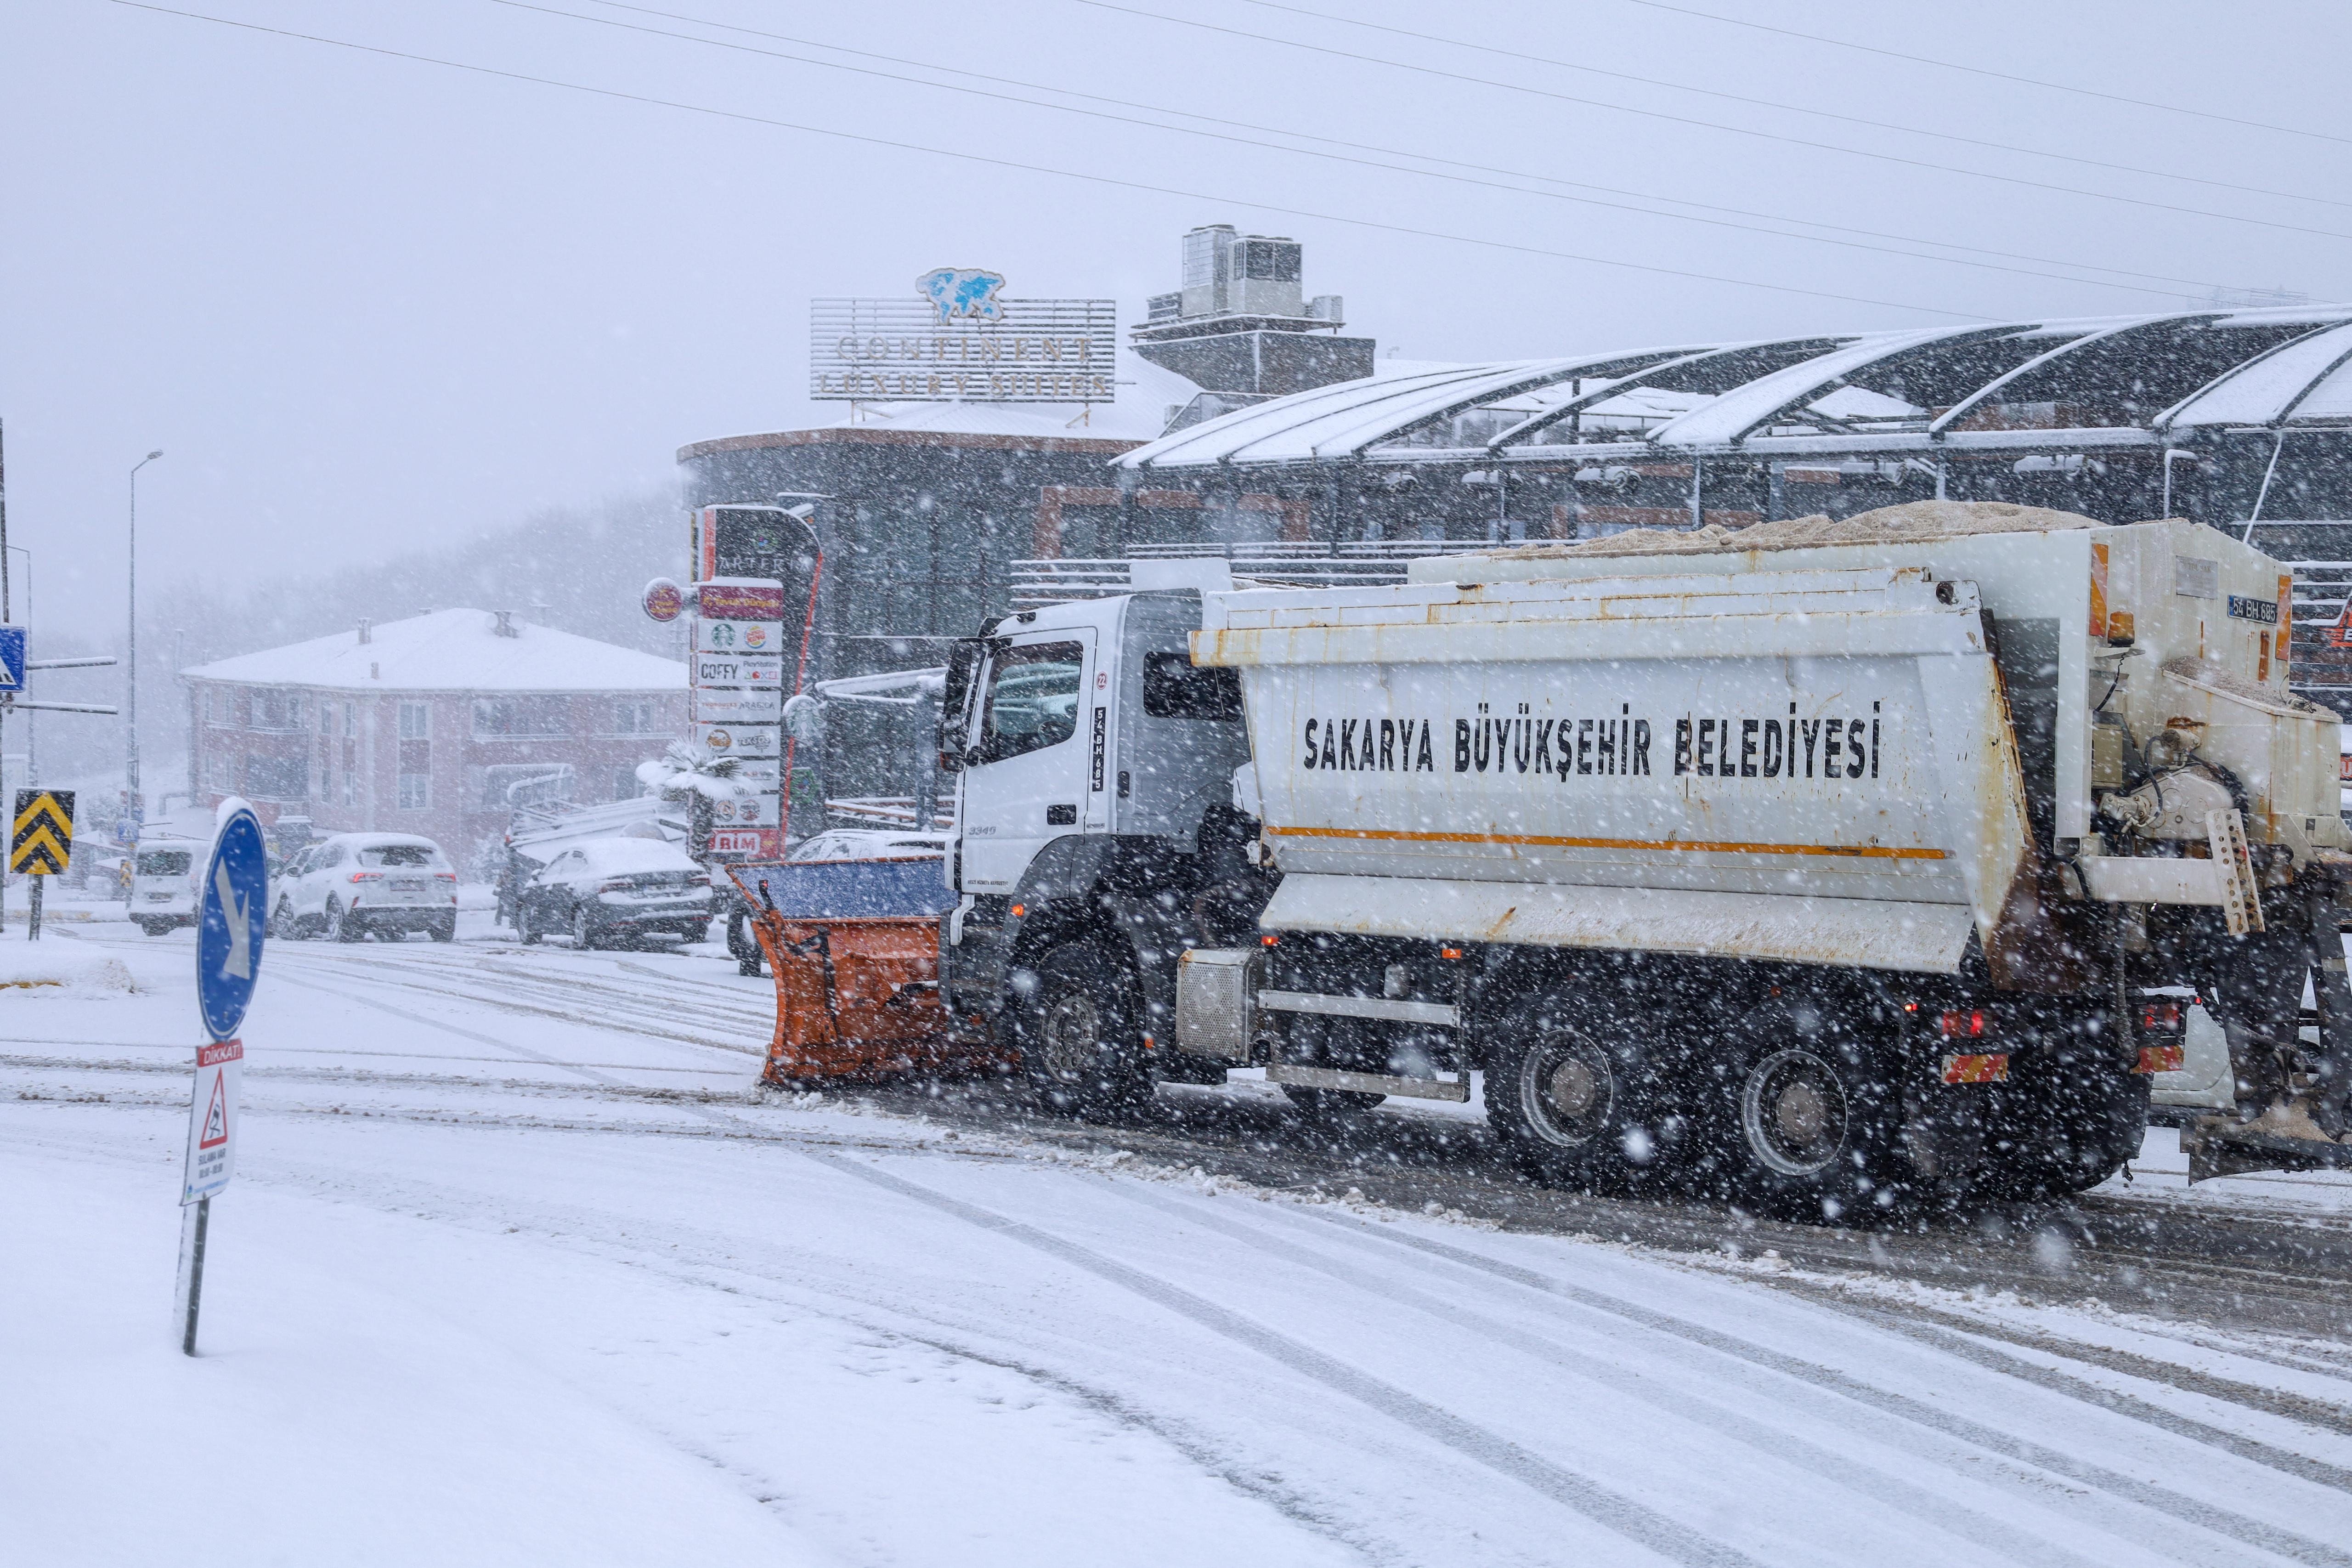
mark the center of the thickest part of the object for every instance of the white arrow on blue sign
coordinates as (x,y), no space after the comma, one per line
(231,919)
(12,658)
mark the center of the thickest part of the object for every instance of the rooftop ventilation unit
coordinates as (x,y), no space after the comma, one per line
(1230,274)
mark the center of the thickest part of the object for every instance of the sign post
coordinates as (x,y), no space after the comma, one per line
(40,842)
(232,919)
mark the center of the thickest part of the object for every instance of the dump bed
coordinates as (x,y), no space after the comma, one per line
(1851,753)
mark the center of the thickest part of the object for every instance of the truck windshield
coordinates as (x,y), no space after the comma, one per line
(1032,698)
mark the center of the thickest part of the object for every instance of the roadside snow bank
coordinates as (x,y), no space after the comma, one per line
(55,969)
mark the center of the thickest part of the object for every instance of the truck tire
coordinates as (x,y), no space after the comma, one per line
(1815,1127)
(1562,1105)
(1080,1050)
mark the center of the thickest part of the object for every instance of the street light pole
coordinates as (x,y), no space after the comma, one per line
(133,805)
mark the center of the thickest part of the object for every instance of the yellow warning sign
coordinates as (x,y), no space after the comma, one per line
(42,839)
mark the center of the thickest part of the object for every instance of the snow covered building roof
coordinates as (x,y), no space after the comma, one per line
(451,650)
(2117,381)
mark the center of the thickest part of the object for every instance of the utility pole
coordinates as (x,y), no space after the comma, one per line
(133,807)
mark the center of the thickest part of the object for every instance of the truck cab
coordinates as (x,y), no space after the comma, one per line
(1095,812)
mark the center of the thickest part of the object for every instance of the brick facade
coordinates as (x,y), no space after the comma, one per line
(431,762)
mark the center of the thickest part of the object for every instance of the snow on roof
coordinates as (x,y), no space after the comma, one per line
(452,650)
(1350,419)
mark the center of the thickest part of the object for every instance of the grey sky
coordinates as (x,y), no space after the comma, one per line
(368,303)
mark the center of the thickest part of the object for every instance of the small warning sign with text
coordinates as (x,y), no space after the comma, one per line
(212,1121)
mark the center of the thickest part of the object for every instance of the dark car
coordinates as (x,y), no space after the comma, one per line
(607,891)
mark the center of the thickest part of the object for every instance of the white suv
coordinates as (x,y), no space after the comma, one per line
(355,884)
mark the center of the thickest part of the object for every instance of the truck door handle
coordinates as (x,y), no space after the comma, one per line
(1062,815)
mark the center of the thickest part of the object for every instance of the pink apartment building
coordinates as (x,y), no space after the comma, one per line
(436,725)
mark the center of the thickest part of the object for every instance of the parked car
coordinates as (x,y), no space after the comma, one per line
(870,844)
(605,891)
(163,886)
(360,884)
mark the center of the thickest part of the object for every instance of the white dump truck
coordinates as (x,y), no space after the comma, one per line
(1828,866)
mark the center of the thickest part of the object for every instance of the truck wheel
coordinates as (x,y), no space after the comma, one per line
(1816,1127)
(1078,1047)
(1563,1106)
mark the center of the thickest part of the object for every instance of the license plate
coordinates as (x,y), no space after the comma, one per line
(408,884)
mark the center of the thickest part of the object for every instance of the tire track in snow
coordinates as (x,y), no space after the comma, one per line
(591,1074)
(1878,1486)
(618,1022)
(1667,1537)
(1958,1338)
(2222,1522)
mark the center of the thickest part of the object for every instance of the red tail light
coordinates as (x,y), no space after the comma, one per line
(367,876)
(1968,1026)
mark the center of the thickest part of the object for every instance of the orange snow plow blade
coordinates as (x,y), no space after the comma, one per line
(855,949)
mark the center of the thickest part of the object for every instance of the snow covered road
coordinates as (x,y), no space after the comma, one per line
(515,1269)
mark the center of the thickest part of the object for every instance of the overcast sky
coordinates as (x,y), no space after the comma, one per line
(368,302)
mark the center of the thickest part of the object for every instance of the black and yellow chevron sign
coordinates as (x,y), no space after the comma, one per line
(43,840)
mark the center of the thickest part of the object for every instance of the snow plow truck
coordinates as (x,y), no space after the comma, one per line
(1830,867)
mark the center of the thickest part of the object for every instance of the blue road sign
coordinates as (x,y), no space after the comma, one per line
(12,658)
(231,917)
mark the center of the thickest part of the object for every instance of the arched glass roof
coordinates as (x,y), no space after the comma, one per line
(2113,381)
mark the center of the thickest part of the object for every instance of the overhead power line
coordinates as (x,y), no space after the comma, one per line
(1229,136)
(1521,54)
(713,112)
(1997,76)
(1708,124)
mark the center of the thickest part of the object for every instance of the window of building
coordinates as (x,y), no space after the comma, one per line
(277,778)
(326,718)
(217,775)
(502,717)
(350,717)
(633,718)
(625,785)
(415,791)
(416,721)
(277,712)
(217,707)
